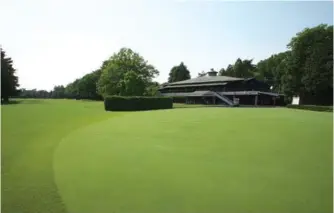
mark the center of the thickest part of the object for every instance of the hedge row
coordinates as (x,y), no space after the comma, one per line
(312,107)
(128,103)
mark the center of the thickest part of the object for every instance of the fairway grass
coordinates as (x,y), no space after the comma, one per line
(72,156)
(30,132)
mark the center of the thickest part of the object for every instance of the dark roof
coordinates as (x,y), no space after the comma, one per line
(207,79)
(194,85)
(209,93)
(189,94)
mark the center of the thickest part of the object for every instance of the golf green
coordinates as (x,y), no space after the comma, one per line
(199,160)
(72,156)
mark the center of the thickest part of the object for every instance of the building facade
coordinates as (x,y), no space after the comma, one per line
(223,90)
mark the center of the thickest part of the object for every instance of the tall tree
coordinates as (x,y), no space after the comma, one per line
(9,81)
(125,66)
(87,86)
(271,70)
(241,69)
(310,65)
(132,84)
(72,89)
(222,71)
(229,71)
(179,73)
(58,92)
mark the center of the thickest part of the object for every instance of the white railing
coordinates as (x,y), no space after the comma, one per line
(224,98)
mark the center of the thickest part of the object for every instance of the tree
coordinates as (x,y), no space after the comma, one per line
(201,74)
(25,93)
(179,73)
(58,92)
(123,68)
(9,81)
(221,72)
(72,89)
(271,70)
(241,69)
(152,89)
(309,72)
(132,84)
(229,71)
(87,86)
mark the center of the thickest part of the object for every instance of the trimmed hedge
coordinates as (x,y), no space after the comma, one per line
(312,107)
(136,103)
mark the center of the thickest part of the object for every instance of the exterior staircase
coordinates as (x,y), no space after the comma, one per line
(223,98)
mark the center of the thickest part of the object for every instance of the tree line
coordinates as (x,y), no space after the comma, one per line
(124,73)
(305,69)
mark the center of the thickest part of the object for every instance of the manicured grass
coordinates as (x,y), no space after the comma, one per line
(71,156)
(177,105)
(30,132)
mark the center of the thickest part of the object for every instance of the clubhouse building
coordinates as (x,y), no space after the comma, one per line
(222,90)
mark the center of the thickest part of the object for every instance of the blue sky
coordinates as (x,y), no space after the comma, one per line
(53,42)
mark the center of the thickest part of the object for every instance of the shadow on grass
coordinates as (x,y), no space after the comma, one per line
(11,102)
(23,101)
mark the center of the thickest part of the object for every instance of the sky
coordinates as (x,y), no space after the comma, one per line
(54,42)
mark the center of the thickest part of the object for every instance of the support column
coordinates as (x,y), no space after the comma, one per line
(274,101)
(214,100)
(256,97)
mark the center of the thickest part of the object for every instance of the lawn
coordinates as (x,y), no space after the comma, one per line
(72,156)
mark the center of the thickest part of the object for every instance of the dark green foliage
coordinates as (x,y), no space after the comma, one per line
(125,73)
(309,71)
(136,103)
(312,107)
(58,92)
(85,87)
(240,69)
(271,70)
(229,71)
(9,81)
(132,84)
(179,73)
(305,70)
(72,90)
(24,93)
(152,89)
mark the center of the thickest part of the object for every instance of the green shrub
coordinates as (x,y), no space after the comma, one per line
(136,103)
(312,107)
